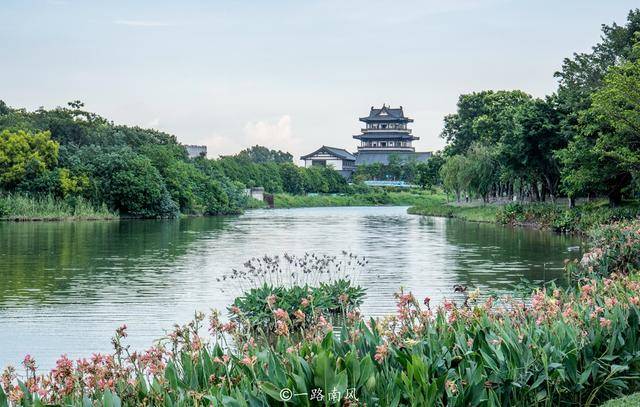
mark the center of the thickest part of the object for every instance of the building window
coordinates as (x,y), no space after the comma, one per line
(319,163)
(383,144)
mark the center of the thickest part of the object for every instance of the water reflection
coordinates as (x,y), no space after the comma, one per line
(64,287)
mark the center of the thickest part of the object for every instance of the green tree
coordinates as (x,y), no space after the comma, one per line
(428,173)
(605,156)
(452,173)
(25,155)
(483,117)
(292,180)
(128,182)
(260,155)
(480,172)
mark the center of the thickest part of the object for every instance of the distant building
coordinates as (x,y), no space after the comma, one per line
(386,133)
(340,159)
(255,193)
(196,151)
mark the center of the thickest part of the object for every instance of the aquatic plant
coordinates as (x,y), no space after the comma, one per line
(259,309)
(290,270)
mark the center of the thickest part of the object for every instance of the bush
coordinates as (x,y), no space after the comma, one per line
(615,250)
(550,216)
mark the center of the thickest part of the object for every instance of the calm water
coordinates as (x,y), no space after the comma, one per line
(65,287)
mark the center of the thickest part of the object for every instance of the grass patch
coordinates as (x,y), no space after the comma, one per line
(17,207)
(437,206)
(376,198)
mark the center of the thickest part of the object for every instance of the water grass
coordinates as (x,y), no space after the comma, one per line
(17,207)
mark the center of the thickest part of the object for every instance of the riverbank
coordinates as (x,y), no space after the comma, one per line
(21,208)
(437,205)
(374,198)
(546,216)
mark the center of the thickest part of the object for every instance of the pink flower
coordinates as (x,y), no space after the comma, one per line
(248,361)
(271,300)
(16,394)
(299,315)
(451,386)
(381,353)
(281,314)
(605,323)
(304,303)
(281,328)
(229,327)
(448,305)
(635,300)
(122,331)
(427,301)
(29,363)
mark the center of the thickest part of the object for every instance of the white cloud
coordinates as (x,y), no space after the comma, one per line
(143,23)
(276,135)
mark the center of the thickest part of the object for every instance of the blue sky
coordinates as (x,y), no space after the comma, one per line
(292,75)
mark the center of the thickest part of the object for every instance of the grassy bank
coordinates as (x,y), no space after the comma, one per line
(16,207)
(437,206)
(559,218)
(375,198)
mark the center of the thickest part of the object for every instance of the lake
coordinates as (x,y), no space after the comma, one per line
(66,286)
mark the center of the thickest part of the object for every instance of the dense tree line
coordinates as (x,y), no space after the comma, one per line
(583,140)
(68,153)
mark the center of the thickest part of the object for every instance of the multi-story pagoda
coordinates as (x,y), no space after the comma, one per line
(386,133)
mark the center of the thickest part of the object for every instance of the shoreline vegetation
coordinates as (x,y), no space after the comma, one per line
(555,217)
(296,329)
(375,197)
(21,208)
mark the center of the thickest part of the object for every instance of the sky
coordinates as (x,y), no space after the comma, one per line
(290,75)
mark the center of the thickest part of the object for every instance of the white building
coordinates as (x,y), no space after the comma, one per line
(340,159)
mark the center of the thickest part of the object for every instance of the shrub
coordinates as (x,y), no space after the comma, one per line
(615,250)
(550,216)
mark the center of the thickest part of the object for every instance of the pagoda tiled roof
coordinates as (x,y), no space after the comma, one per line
(386,113)
(382,135)
(336,152)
